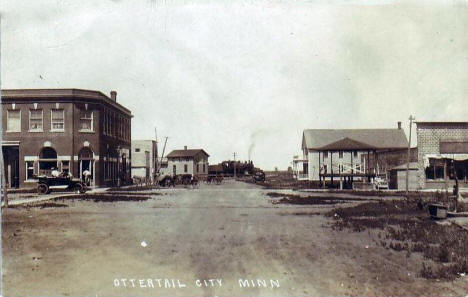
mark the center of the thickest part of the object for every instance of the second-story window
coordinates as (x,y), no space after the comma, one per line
(86,121)
(13,121)
(341,154)
(57,120)
(35,120)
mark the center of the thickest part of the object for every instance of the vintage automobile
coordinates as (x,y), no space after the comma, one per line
(258,176)
(180,179)
(46,184)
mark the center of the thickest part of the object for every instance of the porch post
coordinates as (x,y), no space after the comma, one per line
(367,169)
(331,167)
(319,171)
(376,162)
(352,167)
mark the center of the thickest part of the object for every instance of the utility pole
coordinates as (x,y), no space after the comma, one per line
(235,175)
(155,158)
(411,119)
(164,148)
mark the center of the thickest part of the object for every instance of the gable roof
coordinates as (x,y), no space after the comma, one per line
(186,153)
(347,144)
(354,139)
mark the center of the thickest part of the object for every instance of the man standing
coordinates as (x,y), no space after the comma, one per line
(87,177)
(55,172)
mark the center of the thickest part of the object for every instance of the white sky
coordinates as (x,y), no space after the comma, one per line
(229,76)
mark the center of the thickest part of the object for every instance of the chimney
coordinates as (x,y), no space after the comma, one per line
(399,125)
(185,147)
(113,95)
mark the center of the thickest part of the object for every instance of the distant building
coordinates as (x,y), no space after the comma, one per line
(335,154)
(71,130)
(144,159)
(163,167)
(442,154)
(188,161)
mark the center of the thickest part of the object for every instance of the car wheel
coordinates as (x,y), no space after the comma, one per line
(79,189)
(42,189)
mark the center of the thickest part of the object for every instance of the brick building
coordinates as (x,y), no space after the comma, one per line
(66,129)
(442,154)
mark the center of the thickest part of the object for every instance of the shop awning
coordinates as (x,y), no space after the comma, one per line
(455,157)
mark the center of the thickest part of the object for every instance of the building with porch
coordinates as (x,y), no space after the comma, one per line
(71,130)
(442,154)
(334,155)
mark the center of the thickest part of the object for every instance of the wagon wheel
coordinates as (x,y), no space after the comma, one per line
(42,189)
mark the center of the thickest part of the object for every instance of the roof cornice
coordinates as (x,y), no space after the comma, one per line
(43,94)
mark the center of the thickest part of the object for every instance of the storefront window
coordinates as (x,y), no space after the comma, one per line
(435,170)
(29,170)
(65,166)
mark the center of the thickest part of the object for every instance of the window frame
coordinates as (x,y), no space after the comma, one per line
(52,129)
(8,117)
(42,120)
(85,118)
(27,178)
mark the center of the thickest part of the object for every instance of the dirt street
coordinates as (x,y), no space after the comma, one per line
(217,240)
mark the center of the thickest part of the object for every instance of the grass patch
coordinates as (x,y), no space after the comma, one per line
(133,188)
(39,205)
(407,227)
(133,193)
(104,197)
(309,200)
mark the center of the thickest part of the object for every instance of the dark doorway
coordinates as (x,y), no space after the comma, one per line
(11,160)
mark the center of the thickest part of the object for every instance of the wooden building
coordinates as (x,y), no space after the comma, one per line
(188,161)
(334,155)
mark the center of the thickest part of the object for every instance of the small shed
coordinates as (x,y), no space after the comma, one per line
(397,178)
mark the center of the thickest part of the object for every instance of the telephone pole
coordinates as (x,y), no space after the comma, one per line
(235,174)
(411,119)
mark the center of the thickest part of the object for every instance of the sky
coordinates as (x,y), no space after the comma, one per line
(246,76)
